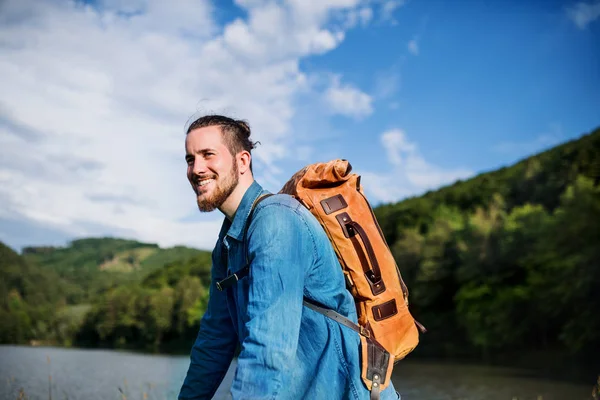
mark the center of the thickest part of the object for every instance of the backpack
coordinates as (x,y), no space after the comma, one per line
(387,330)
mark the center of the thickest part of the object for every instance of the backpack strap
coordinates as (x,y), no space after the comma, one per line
(243,272)
(337,317)
(377,357)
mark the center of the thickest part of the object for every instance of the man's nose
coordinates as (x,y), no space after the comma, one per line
(199,167)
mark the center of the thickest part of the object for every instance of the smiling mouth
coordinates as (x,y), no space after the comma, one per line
(202,183)
(205,182)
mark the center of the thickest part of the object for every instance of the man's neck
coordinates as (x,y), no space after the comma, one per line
(230,206)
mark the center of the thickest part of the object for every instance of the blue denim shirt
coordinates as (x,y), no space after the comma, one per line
(287,350)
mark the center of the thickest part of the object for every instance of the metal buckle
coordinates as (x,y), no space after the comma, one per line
(365,332)
(225,283)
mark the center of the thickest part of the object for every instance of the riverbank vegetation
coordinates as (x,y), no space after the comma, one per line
(505,263)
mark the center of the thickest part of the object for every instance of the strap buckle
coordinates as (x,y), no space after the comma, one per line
(229,281)
(364,332)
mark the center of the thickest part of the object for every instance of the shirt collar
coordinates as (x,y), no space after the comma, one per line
(238,226)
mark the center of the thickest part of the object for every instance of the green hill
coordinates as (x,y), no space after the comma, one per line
(48,292)
(98,264)
(162,311)
(507,262)
(540,179)
(28,294)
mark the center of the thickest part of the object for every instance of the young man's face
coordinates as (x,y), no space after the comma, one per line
(211,169)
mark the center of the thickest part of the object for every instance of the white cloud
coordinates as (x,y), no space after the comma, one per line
(396,145)
(583,13)
(94,100)
(347,100)
(387,83)
(360,16)
(413,47)
(411,174)
(388,8)
(365,15)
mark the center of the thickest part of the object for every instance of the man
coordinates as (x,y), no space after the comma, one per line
(287,351)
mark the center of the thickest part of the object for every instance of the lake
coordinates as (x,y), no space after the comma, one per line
(107,374)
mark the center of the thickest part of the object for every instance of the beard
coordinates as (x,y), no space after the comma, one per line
(223,188)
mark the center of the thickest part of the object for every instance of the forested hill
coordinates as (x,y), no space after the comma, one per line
(507,262)
(46,292)
(97,264)
(539,179)
(28,293)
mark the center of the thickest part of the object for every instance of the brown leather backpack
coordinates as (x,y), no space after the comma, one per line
(335,197)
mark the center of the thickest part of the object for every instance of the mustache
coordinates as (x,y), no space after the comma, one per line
(196,179)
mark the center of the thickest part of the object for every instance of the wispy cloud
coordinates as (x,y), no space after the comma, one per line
(543,141)
(387,83)
(388,7)
(361,16)
(413,47)
(347,100)
(582,14)
(410,174)
(94,99)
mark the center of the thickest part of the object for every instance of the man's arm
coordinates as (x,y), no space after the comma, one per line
(213,350)
(279,248)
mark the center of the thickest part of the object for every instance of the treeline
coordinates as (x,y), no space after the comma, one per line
(508,262)
(162,312)
(497,280)
(505,263)
(96,265)
(29,295)
(67,296)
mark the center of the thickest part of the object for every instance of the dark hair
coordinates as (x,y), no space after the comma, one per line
(236,133)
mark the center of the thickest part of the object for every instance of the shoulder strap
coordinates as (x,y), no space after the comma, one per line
(256,202)
(243,272)
(377,357)
(334,315)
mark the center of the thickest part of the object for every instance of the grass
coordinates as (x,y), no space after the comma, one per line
(128,260)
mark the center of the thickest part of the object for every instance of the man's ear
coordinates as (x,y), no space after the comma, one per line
(244,159)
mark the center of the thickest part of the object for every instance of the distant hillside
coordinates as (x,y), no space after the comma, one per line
(539,179)
(28,294)
(160,312)
(47,292)
(97,264)
(508,262)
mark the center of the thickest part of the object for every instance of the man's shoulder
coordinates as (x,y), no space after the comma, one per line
(282,209)
(279,199)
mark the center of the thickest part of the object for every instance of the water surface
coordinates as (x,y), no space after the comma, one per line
(107,374)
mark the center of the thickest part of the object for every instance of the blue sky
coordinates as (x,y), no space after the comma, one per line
(416,94)
(492,82)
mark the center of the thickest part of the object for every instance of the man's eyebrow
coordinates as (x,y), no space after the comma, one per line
(201,152)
